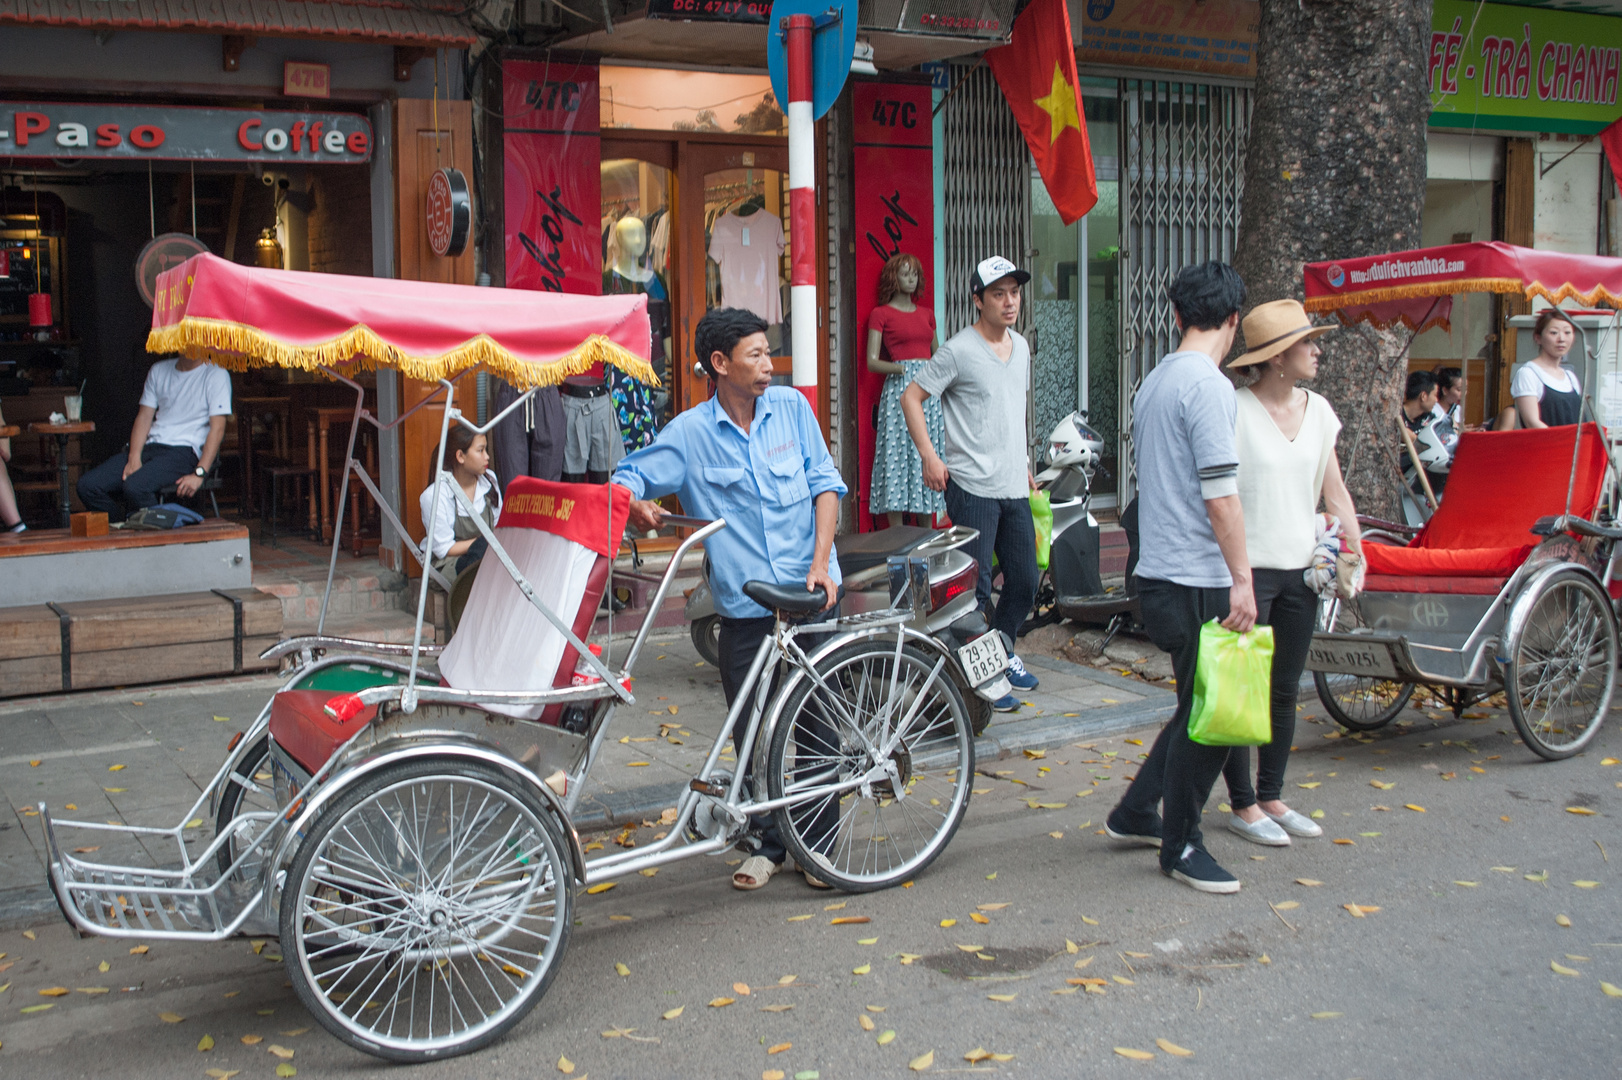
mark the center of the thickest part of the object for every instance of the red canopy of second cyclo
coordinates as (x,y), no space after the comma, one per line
(1416,288)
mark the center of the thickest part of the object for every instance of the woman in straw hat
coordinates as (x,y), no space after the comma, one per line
(1286,441)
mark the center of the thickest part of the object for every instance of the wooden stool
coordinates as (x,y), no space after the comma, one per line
(303,477)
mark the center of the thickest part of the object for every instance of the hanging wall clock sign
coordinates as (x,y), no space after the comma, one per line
(450,213)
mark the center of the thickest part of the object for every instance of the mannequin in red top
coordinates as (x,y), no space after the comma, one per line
(900,340)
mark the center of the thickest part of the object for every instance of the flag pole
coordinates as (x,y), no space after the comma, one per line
(956,87)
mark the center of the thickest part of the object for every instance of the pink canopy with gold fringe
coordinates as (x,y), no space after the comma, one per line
(1416,288)
(243,316)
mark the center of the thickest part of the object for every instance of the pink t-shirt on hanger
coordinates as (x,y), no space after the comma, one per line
(747,250)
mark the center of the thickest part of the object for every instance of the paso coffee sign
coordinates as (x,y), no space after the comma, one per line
(178,132)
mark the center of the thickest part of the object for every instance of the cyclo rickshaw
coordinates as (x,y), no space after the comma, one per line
(399,816)
(1510,584)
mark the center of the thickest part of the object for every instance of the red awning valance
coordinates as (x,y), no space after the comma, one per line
(1416,288)
(242,316)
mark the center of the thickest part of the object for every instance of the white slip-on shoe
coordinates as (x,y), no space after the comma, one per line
(1265,831)
(1299,824)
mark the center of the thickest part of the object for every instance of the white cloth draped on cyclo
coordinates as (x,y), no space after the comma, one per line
(563,537)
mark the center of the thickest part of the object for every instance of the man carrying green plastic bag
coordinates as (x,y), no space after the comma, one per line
(1192,566)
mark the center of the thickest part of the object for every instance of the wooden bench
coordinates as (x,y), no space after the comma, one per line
(46,565)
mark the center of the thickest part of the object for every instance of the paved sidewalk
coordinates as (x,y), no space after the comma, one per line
(145,756)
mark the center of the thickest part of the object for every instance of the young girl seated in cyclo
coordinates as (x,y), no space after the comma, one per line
(456,546)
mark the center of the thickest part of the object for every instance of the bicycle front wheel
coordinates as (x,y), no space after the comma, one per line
(892,732)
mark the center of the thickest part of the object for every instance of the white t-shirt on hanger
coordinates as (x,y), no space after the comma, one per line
(747,250)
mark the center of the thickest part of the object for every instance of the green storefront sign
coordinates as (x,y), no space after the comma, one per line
(1498,67)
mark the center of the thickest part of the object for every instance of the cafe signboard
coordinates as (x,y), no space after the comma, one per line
(180,133)
(1495,67)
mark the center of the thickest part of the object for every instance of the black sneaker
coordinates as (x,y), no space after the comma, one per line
(1144,834)
(1200,872)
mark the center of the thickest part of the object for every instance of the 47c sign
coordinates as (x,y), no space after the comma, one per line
(175,132)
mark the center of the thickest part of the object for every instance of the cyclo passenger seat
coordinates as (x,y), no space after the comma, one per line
(563,537)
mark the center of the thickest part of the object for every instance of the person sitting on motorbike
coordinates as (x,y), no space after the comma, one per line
(753,454)
(1419,399)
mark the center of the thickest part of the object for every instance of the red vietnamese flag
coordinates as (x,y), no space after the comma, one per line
(1611,140)
(1037,73)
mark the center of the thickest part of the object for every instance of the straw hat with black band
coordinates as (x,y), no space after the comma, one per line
(1272,327)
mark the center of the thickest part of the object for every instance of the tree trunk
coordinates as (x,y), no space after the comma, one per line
(1335,169)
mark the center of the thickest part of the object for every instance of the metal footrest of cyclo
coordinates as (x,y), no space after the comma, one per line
(128,901)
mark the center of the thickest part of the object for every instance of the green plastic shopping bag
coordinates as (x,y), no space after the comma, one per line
(1042,516)
(1233,687)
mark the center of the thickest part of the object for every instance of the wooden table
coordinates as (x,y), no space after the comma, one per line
(248,408)
(321,421)
(63,433)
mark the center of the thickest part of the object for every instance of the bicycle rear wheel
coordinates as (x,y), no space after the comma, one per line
(247,789)
(897,725)
(1358,703)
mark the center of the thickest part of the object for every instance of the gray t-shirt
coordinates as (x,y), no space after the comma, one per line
(983,403)
(1183,432)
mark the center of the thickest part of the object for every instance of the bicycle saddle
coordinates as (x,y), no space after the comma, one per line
(785,599)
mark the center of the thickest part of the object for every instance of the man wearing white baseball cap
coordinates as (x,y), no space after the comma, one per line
(980,375)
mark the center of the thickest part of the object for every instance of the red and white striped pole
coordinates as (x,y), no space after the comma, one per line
(802,205)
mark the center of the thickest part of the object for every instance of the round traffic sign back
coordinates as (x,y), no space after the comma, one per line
(831,50)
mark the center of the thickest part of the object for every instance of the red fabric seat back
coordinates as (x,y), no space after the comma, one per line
(300,725)
(1501,482)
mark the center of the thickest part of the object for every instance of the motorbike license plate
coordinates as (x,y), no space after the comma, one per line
(1372,660)
(983,659)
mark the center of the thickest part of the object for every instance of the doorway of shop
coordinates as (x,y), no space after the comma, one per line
(697,222)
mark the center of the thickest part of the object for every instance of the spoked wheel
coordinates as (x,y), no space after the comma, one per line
(426,910)
(247,790)
(902,731)
(1562,665)
(1358,703)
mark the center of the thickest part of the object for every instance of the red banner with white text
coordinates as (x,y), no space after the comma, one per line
(552,176)
(894,214)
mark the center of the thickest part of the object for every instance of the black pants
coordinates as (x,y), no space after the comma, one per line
(530,441)
(1005,528)
(739,641)
(1179,770)
(105,489)
(1284,602)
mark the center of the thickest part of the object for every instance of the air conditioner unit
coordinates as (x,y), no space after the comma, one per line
(539,14)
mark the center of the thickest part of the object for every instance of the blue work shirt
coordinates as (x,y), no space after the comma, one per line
(763,482)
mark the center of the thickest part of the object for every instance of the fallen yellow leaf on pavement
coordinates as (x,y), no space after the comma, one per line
(1581,810)
(171,1018)
(886,1037)
(565,1065)
(849,920)
(1001,997)
(1563,920)
(1561,969)
(1123,980)
(1586,884)
(621,969)
(1287,905)
(922,1062)
(280,1051)
(671,1014)
(779,1048)
(205,1043)
(252,1040)
(1309,882)
(601,887)
(1383,786)
(1327,1015)
(1135,1055)
(1610,990)
(55,991)
(741,989)
(1415,809)
(865,1022)
(1172,1048)
(971,948)
(977,917)
(769,1074)
(948,922)
(721,1002)
(991,907)
(863,970)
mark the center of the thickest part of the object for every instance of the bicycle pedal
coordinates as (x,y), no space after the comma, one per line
(704,787)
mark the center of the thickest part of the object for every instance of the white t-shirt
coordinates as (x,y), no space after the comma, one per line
(1530,379)
(445,525)
(747,250)
(1281,481)
(185,401)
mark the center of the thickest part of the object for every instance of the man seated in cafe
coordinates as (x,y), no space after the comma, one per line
(753,454)
(175,439)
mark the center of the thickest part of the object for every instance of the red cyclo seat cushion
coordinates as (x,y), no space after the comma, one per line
(300,726)
(1457,586)
(1445,562)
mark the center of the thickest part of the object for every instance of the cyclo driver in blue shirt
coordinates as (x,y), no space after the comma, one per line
(753,454)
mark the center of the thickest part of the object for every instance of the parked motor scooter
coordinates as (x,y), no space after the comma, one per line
(1071,587)
(953,617)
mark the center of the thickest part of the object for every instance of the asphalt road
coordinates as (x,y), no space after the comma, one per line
(1451,976)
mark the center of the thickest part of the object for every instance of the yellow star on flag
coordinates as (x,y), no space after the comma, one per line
(1060,105)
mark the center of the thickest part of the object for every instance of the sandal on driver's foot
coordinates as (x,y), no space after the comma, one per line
(755,872)
(814,882)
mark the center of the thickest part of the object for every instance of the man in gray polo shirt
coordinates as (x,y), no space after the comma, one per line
(1192,565)
(980,375)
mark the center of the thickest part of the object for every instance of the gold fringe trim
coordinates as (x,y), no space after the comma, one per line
(1405,292)
(1368,317)
(1463,285)
(237,347)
